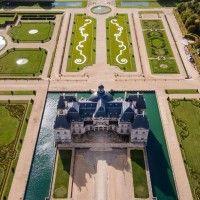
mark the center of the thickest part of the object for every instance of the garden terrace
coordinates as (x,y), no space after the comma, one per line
(32,32)
(119,43)
(11,139)
(139,174)
(161,58)
(185,115)
(83,43)
(62,174)
(22,62)
(6,19)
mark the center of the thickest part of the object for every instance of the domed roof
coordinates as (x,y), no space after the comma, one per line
(101,94)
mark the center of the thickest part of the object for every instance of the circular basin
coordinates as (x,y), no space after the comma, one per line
(100,10)
(2,42)
(21,61)
(33,31)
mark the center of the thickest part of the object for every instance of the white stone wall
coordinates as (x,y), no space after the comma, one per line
(62,135)
(139,135)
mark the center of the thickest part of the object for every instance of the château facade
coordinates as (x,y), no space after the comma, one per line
(100,112)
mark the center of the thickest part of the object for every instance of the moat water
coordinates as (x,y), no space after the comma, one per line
(39,182)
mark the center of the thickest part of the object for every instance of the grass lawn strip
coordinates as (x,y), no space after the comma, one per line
(186,115)
(182,91)
(119,44)
(36,60)
(19,92)
(62,174)
(22,32)
(160,54)
(139,174)
(12,135)
(83,43)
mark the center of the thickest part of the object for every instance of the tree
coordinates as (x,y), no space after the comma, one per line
(192,29)
(191,20)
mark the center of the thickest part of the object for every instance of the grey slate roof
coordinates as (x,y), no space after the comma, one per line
(61,122)
(141,122)
(101,104)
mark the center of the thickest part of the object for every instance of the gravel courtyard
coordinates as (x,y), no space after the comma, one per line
(101,175)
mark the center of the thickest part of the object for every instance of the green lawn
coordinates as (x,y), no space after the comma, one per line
(34,66)
(62,174)
(139,174)
(160,54)
(182,91)
(186,116)
(167,66)
(11,139)
(119,43)
(83,43)
(21,32)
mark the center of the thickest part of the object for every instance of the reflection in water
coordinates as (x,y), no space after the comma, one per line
(134,3)
(42,165)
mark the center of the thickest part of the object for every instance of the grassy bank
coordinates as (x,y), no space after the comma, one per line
(139,174)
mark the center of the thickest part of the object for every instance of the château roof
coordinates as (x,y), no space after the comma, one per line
(101,104)
(141,121)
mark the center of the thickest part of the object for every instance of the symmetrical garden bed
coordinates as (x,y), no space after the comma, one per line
(119,44)
(161,58)
(22,62)
(139,174)
(62,174)
(186,115)
(83,43)
(32,32)
(13,123)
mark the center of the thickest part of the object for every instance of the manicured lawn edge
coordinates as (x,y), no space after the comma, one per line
(62,174)
(139,173)
(18,146)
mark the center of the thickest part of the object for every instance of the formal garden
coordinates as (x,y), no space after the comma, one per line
(83,43)
(32,32)
(22,62)
(62,174)
(186,115)
(13,124)
(139,174)
(159,51)
(119,43)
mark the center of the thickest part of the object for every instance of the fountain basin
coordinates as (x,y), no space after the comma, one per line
(100,10)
